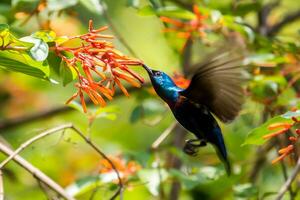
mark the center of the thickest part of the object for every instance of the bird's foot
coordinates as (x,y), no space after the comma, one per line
(191,146)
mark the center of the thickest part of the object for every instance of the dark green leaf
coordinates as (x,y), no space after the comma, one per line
(93,5)
(255,136)
(136,114)
(66,73)
(21,62)
(56,5)
(246,190)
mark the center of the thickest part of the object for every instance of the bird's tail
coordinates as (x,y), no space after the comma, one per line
(216,139)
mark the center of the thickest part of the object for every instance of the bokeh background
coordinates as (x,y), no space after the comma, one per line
(127,127)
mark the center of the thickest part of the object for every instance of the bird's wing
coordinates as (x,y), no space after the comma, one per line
(217,84)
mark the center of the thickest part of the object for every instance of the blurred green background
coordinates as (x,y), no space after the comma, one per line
(121,132)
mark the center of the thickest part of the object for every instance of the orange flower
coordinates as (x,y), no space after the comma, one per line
(280,125)
(126,169)
(187,29)
(281,131)
(180,81)
(285,126)
(96,57)
(284,152)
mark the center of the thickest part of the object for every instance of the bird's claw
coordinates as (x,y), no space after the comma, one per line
(191,146)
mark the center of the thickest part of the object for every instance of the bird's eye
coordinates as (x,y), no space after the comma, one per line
(158,73)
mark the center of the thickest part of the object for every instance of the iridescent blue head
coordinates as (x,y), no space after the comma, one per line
(163,85)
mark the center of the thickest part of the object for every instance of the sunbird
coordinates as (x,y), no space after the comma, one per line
(215,88)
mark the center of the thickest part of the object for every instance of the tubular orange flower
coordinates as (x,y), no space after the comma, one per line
(99,66)
(281,131)
(284,152)
(280,125)
(180,81)
(125,168)
(284,127)
(187,29)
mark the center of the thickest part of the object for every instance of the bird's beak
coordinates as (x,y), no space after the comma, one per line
(148,69)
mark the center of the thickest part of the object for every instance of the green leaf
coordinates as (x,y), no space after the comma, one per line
(24,5)
(46,36)
(4,27)
(67,74)
(266,87)
(40,50)
(246,190)
(8,39)
(255,137)
(175,12)
(57,5)
(149,109)
(108,112)
(21,62)
(146,11)
(133,3)
(153,178)
(136,114)
(93,5)
(169,11)
(77,106)
(188,181)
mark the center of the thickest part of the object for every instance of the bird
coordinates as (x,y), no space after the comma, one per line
(215,91)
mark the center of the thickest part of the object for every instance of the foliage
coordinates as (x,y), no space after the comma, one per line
(94,50)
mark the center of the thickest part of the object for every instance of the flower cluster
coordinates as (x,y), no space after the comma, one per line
(283,128)
(180,80)
(97,57)
(187,29)
(125,168)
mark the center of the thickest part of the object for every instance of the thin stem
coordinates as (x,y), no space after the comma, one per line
(35,172)
(284,188)
(14,122)
(115,30)
(59,128)
(1,186)
(163,136)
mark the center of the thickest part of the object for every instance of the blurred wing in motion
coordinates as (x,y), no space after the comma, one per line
(217,84)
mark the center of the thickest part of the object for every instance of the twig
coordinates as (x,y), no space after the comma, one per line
(36,172)
(284,170)
(163,136)
(289,181)
(178,140)
(115,30)
(32,140)
(86,139)
(187,6)
(260,160)
(263,14)
(286,20)
(46,191)
(15,122)
(1,186)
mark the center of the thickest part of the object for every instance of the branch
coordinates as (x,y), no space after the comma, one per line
(289,181)
(185,5)
(175,162)
(1,186)
(260,160)
(163,136)
(115,30)
(273,30)
(36,172)
(263,15)
(12,123)
(55,130)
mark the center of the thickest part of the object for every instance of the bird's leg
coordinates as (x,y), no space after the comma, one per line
(192,145)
